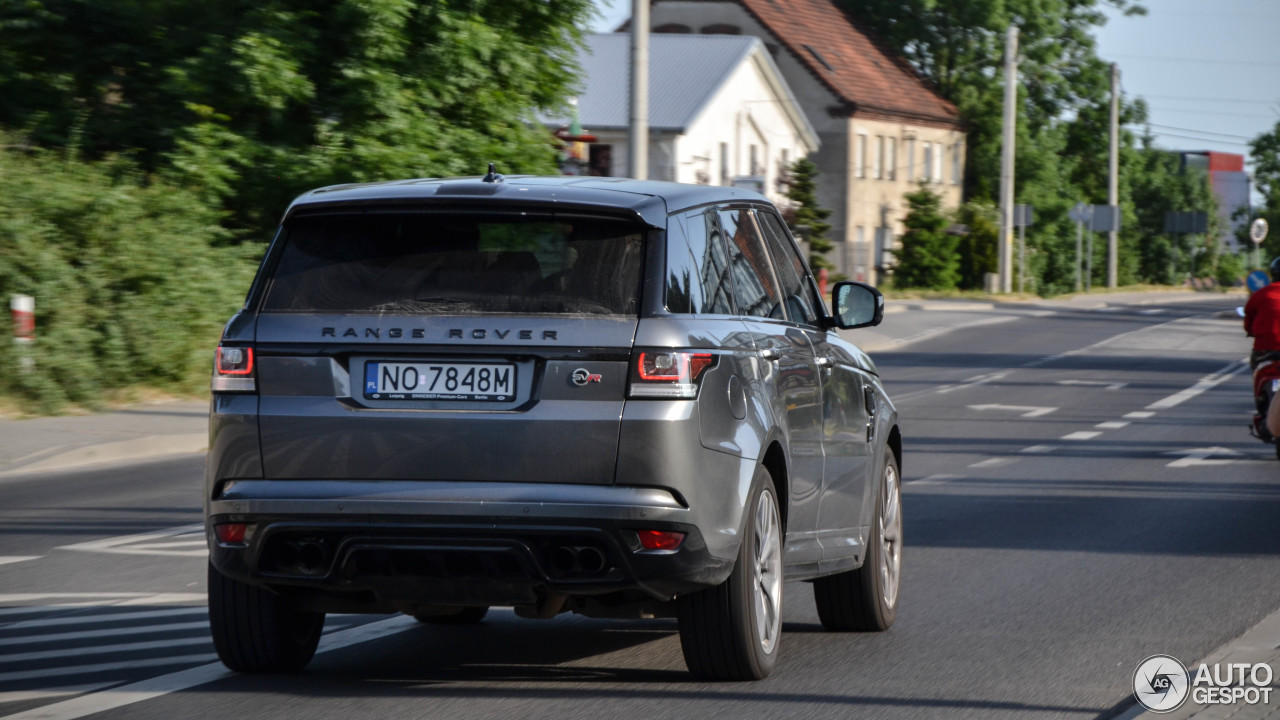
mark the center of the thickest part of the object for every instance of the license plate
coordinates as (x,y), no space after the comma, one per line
(473,382)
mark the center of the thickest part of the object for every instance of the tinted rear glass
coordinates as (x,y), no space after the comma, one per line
(436,264)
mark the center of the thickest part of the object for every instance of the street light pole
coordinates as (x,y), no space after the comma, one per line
(638,141)
(1007,159)
(1113,185)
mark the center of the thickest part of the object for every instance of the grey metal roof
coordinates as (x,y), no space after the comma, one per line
(685,71)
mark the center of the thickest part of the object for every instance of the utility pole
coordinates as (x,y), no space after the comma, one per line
(638,142)
(1006,159)
(1113,184)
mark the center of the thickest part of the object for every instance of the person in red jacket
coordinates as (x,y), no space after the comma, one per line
(1262,319)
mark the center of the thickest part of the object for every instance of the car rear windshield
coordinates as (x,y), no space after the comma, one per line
(451,264)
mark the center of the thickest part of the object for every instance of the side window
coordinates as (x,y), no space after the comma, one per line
(698,278)
(753,281)
(797,293)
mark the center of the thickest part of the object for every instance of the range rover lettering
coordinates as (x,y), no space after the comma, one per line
(618,398)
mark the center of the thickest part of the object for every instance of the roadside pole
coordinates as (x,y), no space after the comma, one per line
(23,309)
(1079,241)
(1113,185)
(1257,233)
(638,142)
(1007,159)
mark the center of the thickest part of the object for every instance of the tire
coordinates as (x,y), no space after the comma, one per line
(866,599)
(464,616)
(256,630)
(731,631)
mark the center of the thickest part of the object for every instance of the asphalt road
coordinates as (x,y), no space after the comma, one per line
(1081,493)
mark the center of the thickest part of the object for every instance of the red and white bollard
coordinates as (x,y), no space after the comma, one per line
(23,308)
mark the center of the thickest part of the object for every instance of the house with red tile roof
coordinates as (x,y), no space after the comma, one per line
(883,129)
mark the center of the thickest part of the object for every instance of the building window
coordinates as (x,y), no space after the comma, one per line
(755,161)
(927,170)
(956,154)
(877,160)
(937,162)
(724,163)
(909,147)
(860,156)
(891,161)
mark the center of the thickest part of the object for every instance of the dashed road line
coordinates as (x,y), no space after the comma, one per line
(992,462)
(1112,425)
(102,650)
(103,618)
(1205,383)
(1139,415)
(1081,435)
(184,541)
(1038,449)
(106,632)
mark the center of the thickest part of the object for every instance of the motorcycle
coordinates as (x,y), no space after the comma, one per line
(1266,385)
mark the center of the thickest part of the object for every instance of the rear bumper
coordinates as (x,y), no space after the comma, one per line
(393,544)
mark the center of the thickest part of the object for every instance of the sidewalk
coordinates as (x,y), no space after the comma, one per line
(139,432)
(155,430)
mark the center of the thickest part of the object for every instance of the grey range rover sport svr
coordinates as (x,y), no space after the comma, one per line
(620,398)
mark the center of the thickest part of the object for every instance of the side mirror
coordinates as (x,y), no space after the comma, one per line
(856,305)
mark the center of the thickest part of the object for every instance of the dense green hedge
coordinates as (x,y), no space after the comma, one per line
(130,282)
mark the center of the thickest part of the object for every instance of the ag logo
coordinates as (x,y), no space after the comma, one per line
(1160,683)
(581,377)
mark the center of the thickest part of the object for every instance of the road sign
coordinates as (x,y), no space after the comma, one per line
(1257,280)
(1080,213)
(1023,216)
(1186,222)
(1258,231)
(1106,218)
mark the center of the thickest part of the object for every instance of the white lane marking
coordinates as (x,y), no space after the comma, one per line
(992,462)
(99,596)
(101,633)
(53,692)
(105,667)
(933,479)
(1081,435)
(1108,309)
(1139,415)
(102,649)
(8,559)
(146,543)
(1026,411)
(1095,383)
(1039,449)
(103,618)
(1200,456)
(1205,383)
(184,679)
(166,599)
(1152,311)
(1111,425)
(1041,361)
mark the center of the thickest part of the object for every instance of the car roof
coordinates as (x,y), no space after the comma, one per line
(650,199)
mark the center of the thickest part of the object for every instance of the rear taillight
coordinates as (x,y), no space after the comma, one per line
(233,370)
(667,373)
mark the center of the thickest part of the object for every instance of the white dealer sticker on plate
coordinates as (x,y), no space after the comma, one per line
(480,382)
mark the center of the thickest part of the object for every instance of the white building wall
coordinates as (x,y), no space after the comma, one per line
(745,112)
(862,209)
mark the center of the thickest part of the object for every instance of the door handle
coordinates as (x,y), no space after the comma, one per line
(769,354)
(825,362)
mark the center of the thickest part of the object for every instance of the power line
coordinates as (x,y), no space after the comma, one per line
(1207,99)
(1207,61)
(1203,132)
(1216,112)
(1201,139)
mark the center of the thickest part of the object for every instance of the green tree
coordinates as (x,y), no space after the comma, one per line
(1264,151)
(251,103)
(806,217)
(926,252)
(978,250)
